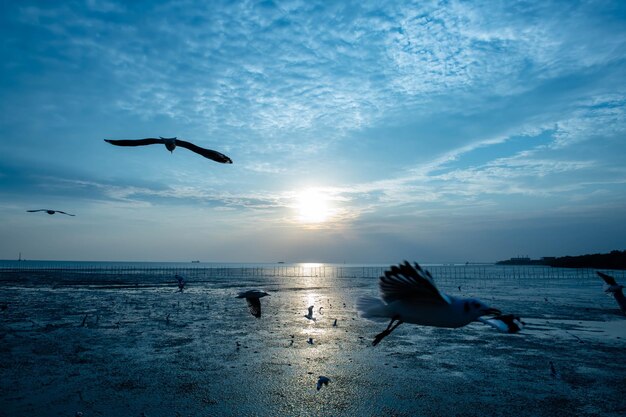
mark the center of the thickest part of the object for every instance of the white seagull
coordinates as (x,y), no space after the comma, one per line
(409,295)
(171,144)
(51,212)
(253,299)
(612,287)
(309,316)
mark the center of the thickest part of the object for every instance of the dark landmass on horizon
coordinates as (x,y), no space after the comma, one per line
(614,260)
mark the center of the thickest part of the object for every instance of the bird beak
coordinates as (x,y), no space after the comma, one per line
(492,312)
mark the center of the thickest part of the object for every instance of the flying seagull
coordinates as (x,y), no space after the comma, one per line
(323,380)
(171,144)
(253,299)
(409,295)
(51,212)
(612,287)
(181,282)
(309,316)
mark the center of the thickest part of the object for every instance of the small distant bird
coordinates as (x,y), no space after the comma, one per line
(310,341)
(553,372)
(409,294)
(181,282)
(335,323)
(51,212)
(171,144)
(612,287)
(323,380)
(309,316)
(506,323)
(319,310)
(253,299)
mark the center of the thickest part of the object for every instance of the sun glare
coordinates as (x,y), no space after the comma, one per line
(312,207)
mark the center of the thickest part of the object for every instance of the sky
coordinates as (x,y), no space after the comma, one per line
(360,132)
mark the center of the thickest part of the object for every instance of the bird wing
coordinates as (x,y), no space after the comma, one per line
(607,278)
(407,282)
(35,211)
(310,310)
(134,142)
(67,214)
(254,305)
(207,153)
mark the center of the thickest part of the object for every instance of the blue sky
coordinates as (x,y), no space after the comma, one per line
(360,131)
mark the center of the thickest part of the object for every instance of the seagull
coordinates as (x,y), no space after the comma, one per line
(310,315)
(323,380)
(506,323)
(616,289)
(553,372)
(181,282)
(409,295)
(51,212)
(171,144)
(253,299)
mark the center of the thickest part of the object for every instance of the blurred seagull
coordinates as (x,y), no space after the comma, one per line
(171,144)
(181,282)
(310,341)
(409,295)
(506,323)
(553,372)
(253,299)
(612,287)
(335,323)
(322,381)
(51,212)
(309,316)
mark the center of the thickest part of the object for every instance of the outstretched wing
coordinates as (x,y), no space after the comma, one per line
(254,305)
(607,278)
(410,282)
(207,153)
(35,211)
(134,142)
(67,214)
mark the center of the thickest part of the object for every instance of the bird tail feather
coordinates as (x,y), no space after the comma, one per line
(372,308)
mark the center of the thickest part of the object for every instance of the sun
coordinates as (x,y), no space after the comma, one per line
(312,207)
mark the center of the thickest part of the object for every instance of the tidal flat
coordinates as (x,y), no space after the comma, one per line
(80,344)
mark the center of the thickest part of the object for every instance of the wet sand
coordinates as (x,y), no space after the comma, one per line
(125,350)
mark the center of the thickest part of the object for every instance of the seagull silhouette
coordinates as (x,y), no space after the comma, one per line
(253,299)
(323,380)
(310,315)
(171,144)
(612,287)
(51,212)
(181,282)
(409,295)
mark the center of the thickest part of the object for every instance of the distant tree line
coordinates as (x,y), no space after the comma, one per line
(614,260)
